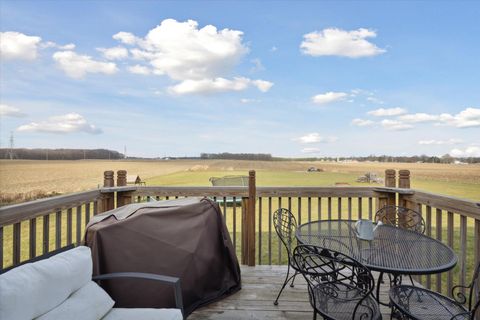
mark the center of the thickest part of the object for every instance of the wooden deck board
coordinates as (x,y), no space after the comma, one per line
(260,286)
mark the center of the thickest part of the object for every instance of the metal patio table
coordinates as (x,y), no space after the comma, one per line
(393,250)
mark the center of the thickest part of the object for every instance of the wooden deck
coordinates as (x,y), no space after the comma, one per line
(260,286)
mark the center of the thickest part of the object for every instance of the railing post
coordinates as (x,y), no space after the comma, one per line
(107,200)
(248,222)
(404,183)
(123,197)
(388,198)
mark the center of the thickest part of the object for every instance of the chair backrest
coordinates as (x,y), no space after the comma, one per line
(473,295)
(333,272)
(285,225)
(401,217)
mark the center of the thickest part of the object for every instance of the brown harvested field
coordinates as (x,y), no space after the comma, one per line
(20,176)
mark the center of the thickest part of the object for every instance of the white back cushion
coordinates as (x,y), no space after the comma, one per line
(33,289)
(144,314)
(90,302)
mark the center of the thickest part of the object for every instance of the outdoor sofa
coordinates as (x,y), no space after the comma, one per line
(62,287)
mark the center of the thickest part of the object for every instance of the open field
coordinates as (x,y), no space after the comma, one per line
(21,176)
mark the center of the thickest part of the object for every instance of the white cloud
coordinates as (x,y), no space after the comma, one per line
(470,117)
(138,69)
(471,151)
(200,59)
(337,42)
(125,37)
(419,117)
(329,97)
(71,122)
(205,86)
(440,142)
(362,122)
(184,52)
(273,49)
(9,111)
(257,65)
(51,44)
(246,100)
(315,137)
(16,45)
(395,125)
(115,53)
(387,112)
(311,150)
(77,66)
(375,100)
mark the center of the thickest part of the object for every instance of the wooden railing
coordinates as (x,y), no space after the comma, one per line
(33,228)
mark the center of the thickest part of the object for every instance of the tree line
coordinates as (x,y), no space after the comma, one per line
(59,154)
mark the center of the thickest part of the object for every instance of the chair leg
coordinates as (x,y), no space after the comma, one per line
(283,286)
(293,279)
(314,315)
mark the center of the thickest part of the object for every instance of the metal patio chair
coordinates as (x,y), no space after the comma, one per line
(339,287)
(400,217)
(420,304)
(286,225)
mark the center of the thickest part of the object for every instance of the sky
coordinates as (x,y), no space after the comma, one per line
(289,78)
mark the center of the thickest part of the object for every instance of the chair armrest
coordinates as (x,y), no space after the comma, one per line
(175,282)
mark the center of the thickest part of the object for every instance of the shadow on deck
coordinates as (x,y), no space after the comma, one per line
(260,286)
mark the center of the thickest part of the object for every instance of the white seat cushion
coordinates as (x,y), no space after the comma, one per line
(143,314)
(33,289)
(90,302)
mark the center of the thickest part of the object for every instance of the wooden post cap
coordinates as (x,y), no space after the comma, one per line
(121,178)
(404,179)
(390,178)
(108,179)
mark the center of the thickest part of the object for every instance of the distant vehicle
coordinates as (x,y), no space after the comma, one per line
(314,169)
(370,177)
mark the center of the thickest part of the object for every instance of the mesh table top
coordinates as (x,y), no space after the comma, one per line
(393,250)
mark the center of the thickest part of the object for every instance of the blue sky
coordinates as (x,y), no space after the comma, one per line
(287,78)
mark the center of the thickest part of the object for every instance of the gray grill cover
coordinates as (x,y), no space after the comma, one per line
(185,238)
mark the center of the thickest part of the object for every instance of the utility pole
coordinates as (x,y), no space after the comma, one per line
(11,152)
(125,152)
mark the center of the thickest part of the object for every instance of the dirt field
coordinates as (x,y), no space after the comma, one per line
(20,176)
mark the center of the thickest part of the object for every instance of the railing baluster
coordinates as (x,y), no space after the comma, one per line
(32,252)
(349,208)
(319,208)
(463,251)
(339,208)
(235,223)
(16,243)
(58,229)
(299,210)
(1,247)
(79,224)
(309,209)
(329,208)
(259,230)
(438,232)
(225,209)
(87,213)
(270,230)
(428,223)
(69,226)
(46,233)
(450,244)
(95,208)
(360,208)
(279,243)
(370,208)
